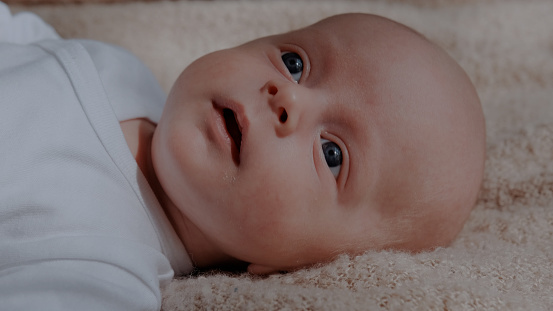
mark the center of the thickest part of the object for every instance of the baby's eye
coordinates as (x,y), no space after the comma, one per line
(294,64)
(333,156)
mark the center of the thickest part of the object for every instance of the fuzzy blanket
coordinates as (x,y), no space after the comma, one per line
(502,260)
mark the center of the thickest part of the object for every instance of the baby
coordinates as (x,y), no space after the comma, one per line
(353,134)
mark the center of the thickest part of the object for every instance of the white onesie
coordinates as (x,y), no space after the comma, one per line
(80,228)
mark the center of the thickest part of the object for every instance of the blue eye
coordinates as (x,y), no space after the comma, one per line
(294,64)
(333,156)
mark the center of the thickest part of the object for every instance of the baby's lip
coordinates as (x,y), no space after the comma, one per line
(236,125)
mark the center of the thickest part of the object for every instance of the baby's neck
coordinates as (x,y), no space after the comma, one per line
(138,134)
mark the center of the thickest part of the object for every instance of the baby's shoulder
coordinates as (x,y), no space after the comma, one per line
(108,56)
(127,81)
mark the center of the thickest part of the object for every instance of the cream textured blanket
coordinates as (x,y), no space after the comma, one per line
(502,260)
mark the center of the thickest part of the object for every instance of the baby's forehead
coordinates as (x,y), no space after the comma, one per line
(352,30)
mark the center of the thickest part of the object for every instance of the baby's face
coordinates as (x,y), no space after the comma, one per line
(334,138)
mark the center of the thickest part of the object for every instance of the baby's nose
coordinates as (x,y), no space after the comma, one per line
(283,99)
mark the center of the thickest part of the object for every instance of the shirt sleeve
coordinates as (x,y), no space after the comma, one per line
(79,273)
(77,285)
(74,233)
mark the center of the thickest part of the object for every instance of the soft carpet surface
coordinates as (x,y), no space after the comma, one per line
(503,258)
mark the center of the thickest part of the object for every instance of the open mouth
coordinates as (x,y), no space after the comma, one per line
(233,128)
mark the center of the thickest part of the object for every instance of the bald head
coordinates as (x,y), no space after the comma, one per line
(422,127)
(433,138)
(401,121)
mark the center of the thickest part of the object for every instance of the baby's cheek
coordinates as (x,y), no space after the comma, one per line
(264,206)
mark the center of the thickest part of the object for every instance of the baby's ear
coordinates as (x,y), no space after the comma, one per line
(262,270)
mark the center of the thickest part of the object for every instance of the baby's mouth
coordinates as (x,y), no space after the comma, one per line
(235,133)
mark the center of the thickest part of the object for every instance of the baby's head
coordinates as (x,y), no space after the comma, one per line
(354,133)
